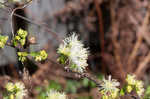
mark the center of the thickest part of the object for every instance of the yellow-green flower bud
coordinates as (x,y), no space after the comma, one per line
(129,88)
(3,40)
(10,87)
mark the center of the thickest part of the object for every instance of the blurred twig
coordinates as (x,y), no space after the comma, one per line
(39,24)
(114,40)
(88,76)
(140,33)
(12,14)
(142,66)
(81,75)
(101,30)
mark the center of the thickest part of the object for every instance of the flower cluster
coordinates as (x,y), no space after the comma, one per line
(52,94)
(133,84)
(20,38)
(22,56)
(72,51)
(109,88)
(16,91)
(3,40)
(38,56)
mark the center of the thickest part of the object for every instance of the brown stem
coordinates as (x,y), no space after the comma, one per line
(81,75)
(114,41)
(39,24)
(140,33)
(142,66)
(101,31)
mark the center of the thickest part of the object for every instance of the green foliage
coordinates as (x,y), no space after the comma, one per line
(72,86)
(147,93)
(62,59)
(87,83)
(54,85)
(3,40)
(43,91)
(122,92)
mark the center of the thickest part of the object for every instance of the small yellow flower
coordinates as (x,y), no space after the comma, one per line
(131,79)
(22,56)
(16,91)
(20,37)
(10,87)
(129,88)
(38,58)
(43,54)
(134,84)
(17,38)
(3,41)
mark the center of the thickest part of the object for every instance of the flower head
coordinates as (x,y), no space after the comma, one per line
(3,40)
(22,56)
(20,38)
(109,88)
(16,90)
(73,51)
(134,84)
(52,94)
(131,79)
(21,90)
(41,55)
(10,87)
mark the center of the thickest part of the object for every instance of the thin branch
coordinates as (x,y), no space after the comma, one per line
(101,30)
(142,66)
(39,24)
(88,76)
(81,75)
(114,40)
(12,14)
(140,33)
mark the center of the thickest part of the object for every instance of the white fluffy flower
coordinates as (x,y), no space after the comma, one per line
(21,90)
(16,90)
(74,50)
(109,88)
(110,84)
(140,89)
(131,79)
(52,94)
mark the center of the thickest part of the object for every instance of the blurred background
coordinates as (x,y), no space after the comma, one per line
(116,32)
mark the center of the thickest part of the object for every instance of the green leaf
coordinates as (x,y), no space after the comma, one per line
(62,59)
(72,86)
(54,85)
(85,82)
(122,92)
